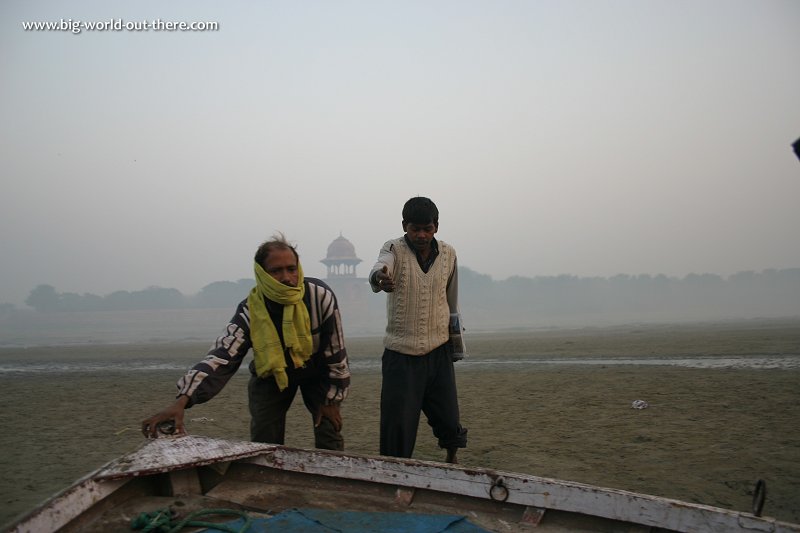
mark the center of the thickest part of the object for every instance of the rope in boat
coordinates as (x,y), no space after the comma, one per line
(164,521)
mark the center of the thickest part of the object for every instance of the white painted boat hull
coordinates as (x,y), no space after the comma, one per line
(193,472)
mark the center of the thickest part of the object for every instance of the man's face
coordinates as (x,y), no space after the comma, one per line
(420,235)
(282,265)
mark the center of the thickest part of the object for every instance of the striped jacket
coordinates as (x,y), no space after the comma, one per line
(205,379)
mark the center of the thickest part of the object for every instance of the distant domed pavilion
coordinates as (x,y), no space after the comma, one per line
(363,311)
(341,259)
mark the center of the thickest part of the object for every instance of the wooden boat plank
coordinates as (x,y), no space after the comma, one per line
(522,489)
(162,455)
(67,505)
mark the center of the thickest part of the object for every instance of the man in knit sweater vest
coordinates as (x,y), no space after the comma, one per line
(420,276)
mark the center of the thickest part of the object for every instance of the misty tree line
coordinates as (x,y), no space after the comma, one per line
(771,292)
(520,300)
(45,298)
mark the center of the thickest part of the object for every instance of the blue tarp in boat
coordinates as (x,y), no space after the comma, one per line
(321,521)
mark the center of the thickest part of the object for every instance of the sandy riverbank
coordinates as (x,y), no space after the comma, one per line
(707,436)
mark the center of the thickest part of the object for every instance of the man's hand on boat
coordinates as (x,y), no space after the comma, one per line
(332,413)
(172,416)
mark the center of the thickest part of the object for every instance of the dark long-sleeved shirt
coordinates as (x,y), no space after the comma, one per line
(328,361)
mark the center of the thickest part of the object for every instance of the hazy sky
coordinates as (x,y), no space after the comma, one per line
(557,137)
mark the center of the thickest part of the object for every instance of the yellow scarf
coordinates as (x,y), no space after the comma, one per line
(267,349)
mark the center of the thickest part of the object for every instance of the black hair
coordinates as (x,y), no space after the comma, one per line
(277,242)
(420,210)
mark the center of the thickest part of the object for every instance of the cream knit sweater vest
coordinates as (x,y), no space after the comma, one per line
(417,309)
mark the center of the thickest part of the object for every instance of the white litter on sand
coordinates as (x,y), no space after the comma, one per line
(640,404)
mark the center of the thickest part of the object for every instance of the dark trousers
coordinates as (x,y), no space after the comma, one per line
(414,384)
(268,407)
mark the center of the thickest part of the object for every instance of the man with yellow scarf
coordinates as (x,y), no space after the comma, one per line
(293,325)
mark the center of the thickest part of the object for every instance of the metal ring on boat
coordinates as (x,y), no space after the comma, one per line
(759,495)
(498,492)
